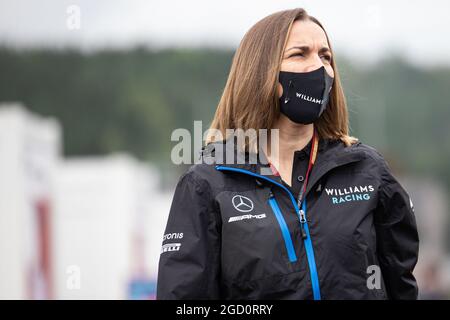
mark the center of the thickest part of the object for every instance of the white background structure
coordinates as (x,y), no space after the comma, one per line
(107,216)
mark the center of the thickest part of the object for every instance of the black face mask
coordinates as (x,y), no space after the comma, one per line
(305,94)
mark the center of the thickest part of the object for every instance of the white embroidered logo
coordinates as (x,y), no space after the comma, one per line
(242,204)
(348,194)
(170,247)
(308,98)
(247,216)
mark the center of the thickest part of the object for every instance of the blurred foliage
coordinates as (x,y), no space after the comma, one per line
(402,110)
(117,100)
(132,100)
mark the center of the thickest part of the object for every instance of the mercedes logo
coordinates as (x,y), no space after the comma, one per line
(242,204)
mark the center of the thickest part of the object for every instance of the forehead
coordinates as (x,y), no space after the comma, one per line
(307,32)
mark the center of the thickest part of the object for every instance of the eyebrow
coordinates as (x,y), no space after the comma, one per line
(306,48)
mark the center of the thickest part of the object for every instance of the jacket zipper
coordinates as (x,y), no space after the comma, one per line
(310,253)
(303,224)
(284,228)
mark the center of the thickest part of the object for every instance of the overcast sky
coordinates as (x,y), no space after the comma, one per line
(363,30)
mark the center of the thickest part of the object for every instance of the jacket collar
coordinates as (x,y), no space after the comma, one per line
(332,153)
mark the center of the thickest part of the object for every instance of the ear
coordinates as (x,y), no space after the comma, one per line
(280,90)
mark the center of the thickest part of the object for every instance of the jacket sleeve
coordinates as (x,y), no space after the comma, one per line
(397,237)
(189,265)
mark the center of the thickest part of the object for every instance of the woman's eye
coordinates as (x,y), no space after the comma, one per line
(296,54)
(327,57)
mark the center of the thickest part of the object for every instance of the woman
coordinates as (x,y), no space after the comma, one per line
(329,220)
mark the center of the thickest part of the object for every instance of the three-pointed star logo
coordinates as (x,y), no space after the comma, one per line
(242,204)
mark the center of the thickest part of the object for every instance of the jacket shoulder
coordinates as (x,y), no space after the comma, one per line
(368,150)
(374,156)
(204,176)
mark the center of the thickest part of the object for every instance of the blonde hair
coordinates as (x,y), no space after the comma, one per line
(250,100)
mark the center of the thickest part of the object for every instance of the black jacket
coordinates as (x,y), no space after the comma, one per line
(233,231)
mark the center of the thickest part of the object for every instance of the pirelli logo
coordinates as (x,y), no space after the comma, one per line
(170,247)
(247,216)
